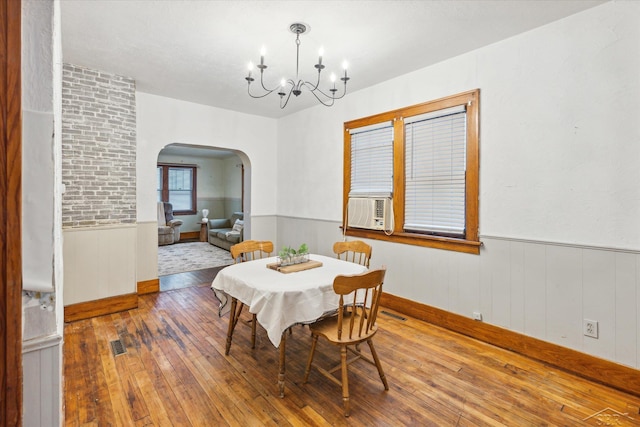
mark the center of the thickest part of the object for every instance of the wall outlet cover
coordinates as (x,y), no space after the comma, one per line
(590,328)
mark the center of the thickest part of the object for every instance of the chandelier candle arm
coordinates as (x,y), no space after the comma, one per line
(297,84)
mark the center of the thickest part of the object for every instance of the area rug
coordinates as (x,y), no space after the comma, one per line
(181,257)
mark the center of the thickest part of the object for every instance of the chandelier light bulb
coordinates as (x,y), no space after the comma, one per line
(263,52)
(345,65)
(326,97)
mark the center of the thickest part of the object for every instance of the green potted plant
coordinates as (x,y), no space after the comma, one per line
(289,256)
(303,253)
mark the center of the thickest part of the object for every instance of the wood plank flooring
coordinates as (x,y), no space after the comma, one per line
(174,372)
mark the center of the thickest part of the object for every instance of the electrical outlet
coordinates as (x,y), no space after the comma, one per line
(477,315)
(590,328)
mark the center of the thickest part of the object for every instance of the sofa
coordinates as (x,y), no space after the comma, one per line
(226,232)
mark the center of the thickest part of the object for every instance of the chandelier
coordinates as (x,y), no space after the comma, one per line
(294,86)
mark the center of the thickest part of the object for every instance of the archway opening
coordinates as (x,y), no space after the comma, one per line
(201,201)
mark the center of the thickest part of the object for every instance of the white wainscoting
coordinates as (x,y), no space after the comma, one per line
(99,262)
(42,387)
(540,289)
(147,251)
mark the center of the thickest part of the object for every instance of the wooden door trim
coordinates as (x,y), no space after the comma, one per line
(10,214)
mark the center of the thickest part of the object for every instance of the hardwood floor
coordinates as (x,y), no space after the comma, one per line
(174,372)
(191,278)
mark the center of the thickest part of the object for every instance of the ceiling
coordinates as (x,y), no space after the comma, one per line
(198,50)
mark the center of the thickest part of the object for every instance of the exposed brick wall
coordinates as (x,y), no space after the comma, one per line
(98,148)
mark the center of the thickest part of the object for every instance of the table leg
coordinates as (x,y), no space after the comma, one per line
(283,342)
(233,319)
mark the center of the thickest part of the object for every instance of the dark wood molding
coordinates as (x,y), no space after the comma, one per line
(606,372)
(189,235)
(89,309)
(148,286)
(10,214)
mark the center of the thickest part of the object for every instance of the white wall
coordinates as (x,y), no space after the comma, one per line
(41,213)
(162,121)
(232,185)
(559,193)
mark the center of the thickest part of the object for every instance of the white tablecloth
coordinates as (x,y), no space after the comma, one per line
(280,300)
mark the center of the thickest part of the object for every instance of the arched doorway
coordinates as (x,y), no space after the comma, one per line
(195,180)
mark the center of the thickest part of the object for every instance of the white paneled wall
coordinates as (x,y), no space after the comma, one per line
(42,375)
(100,262)
(540,289)
(147,251)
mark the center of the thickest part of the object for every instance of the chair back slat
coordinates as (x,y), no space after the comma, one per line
(250,250)
(355,251)
(359,301)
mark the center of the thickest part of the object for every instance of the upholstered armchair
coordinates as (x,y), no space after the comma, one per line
(168,226)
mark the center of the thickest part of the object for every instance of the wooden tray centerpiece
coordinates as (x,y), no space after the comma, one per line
(290,260)
(292,268)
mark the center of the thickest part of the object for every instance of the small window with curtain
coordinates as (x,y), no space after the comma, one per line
(177,185)
(424,161)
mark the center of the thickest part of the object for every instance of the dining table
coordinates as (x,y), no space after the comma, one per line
(281,297)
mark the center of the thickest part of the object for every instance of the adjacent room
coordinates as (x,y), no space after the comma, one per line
(190,168)
(199,192)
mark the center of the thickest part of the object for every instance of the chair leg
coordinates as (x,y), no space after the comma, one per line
(253,331)
(310,360)
(378,365)
(232,324)
(345,381)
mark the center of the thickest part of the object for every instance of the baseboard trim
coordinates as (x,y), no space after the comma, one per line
(593,368)
(148,286)
(190,235)
(86,310)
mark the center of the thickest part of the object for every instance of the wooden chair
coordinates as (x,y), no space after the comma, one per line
(354,324)
(355,251)
(248,250)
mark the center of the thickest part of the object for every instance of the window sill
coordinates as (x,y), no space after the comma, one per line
(449,244)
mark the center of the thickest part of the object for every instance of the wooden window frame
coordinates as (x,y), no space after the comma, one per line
(165,186)
(471,242)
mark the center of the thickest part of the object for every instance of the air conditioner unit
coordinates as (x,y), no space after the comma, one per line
(369,212)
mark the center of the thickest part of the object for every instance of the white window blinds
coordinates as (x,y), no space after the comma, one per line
(372,161)
(435,167)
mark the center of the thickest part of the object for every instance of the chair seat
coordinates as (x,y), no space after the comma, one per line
(328,328)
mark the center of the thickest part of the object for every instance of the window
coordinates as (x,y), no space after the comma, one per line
(424,158)
(372,161)
(177,185)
